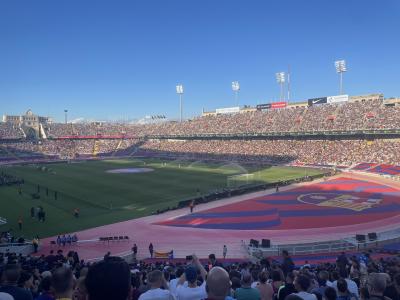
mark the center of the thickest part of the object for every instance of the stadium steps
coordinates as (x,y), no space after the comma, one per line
(119,147)
(136,147)
(22,130)
(42,131)
(96,147)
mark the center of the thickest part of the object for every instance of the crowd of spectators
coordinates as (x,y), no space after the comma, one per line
(344,152)
(10,131)
(66,148)
(371,114)
(323,152)
(59,276)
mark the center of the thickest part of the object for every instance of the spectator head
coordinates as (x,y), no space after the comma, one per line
(45,284)
(335,275)
(62,282)
(155,278)
(11,273)
(323,277)
(290,277)
(285,253)
(218,284)
(235,283)
(25,280)
(302,283)
(246,280)
(263,277)
(212,258)
(191,274)
(109,279)
(376,284)
(342,286)
(330,293)
(276,275)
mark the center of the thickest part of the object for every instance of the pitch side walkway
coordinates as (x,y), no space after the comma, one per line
(187,240)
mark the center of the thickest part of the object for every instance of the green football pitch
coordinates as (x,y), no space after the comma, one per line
(105,198)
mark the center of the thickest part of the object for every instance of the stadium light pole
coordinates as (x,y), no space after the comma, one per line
(280,78)
(341,67)
(66,115)
(236,89)
(179,91)
(288,85)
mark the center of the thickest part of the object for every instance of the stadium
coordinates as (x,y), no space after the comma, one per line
(332,166)
(113,184)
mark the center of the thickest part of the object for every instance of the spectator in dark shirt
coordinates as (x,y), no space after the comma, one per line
(287,264)
(11,274)
(288,288)
(393,290)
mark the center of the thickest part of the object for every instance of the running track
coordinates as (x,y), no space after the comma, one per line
(317,211)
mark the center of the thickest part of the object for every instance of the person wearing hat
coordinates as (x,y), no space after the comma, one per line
(192,291)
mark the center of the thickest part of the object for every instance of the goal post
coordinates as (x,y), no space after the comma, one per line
(234,181)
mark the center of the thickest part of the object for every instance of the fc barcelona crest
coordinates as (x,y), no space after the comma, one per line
(339,200)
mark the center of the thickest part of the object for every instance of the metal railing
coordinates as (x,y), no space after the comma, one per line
(345,244)
(19,248)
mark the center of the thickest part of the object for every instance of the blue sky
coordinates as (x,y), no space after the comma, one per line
(122,59)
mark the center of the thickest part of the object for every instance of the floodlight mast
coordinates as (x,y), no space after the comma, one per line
(341,67)
(288,85)
(179,91)
(280,79)
(66,115)
(236,89)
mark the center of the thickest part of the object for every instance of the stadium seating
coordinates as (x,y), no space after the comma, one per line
(86,140)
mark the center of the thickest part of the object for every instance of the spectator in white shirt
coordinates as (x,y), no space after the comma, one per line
(173,283)
(192,291)
(157,282)
(351,285)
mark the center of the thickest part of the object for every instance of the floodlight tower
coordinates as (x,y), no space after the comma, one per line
(341,67)
(236,89)
(66,115)
(179,91)
(280,78)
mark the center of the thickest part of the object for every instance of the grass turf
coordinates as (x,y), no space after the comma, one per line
(105,198)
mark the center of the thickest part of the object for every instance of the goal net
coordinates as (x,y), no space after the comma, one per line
(234,181)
